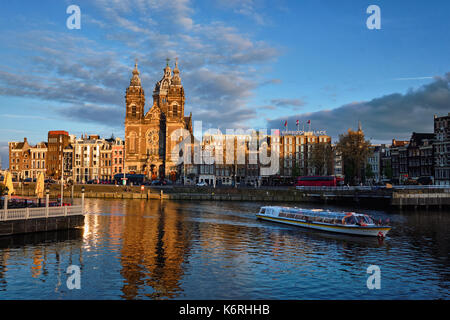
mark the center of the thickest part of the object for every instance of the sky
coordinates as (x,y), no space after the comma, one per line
(244,64)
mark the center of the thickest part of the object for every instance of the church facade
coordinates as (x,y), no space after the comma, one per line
(148,142)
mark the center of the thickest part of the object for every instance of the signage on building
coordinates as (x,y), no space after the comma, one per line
(301,132)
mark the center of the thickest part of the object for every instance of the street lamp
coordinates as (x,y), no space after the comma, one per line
(5,198)
(47,195)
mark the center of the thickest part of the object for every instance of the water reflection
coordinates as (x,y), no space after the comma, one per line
(33,253)
(138,249)
(155,243)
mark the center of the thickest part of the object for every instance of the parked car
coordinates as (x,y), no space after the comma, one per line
(201,184)
(425,181)
(158,183)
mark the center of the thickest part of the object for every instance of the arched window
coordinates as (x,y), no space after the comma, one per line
(132,142)
(133,111)
(175,110)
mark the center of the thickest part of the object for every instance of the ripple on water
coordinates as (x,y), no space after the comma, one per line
(133,249)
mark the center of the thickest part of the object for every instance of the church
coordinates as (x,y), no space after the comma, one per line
(147,134)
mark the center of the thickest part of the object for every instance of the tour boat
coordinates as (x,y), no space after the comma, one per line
(340,222)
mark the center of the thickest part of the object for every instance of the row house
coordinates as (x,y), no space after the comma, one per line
(118,150)
(80,160)
(338,163)
(411,159)
(399,160)
(25,161)
(68,161)
(56,143)
(19,159)
(442,150)
(374,161)
(86,158)
(420,155)
(96,159)
(38,154)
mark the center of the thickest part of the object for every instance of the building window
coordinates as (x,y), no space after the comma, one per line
(175,110)
(132,142)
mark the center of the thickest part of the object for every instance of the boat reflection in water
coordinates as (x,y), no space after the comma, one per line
(325,220)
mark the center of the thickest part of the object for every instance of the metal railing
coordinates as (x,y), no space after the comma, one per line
(41,212)
(375,188)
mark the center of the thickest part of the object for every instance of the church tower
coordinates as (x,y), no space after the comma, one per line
(148,143)
(134,115)
(169,94)
(135,98)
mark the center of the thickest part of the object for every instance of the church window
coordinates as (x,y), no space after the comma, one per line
(133,111)
(132,142)
(175,110)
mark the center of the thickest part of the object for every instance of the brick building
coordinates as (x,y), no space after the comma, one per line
(118,150)
(148,133)
(56,143)
(27,161)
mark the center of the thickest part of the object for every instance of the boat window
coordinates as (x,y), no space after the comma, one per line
(263,210)
(368,220)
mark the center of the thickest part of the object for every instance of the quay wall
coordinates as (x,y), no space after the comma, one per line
(12,227)
(380,197)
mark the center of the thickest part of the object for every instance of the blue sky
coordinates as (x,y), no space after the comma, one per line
(244,63)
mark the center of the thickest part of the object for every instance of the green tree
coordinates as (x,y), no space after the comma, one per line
(355,150)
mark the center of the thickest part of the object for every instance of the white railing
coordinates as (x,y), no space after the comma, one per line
(41,212)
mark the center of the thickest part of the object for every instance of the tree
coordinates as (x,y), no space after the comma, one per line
(322,158)
(387,170)
(296,171)
(355,150)
(369,174)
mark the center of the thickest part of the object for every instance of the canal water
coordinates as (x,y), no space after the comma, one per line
(137,249)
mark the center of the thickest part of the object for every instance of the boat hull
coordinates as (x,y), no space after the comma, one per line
(375,231)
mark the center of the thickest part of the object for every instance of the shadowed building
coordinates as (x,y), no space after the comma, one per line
(442,150)
(420,155)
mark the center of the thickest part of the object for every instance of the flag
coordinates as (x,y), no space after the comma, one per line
(309,121)
(285,124)
(297,123)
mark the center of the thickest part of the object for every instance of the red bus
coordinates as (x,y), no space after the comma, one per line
(316,181)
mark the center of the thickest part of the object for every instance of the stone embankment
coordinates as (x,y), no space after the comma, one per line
(401,198)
